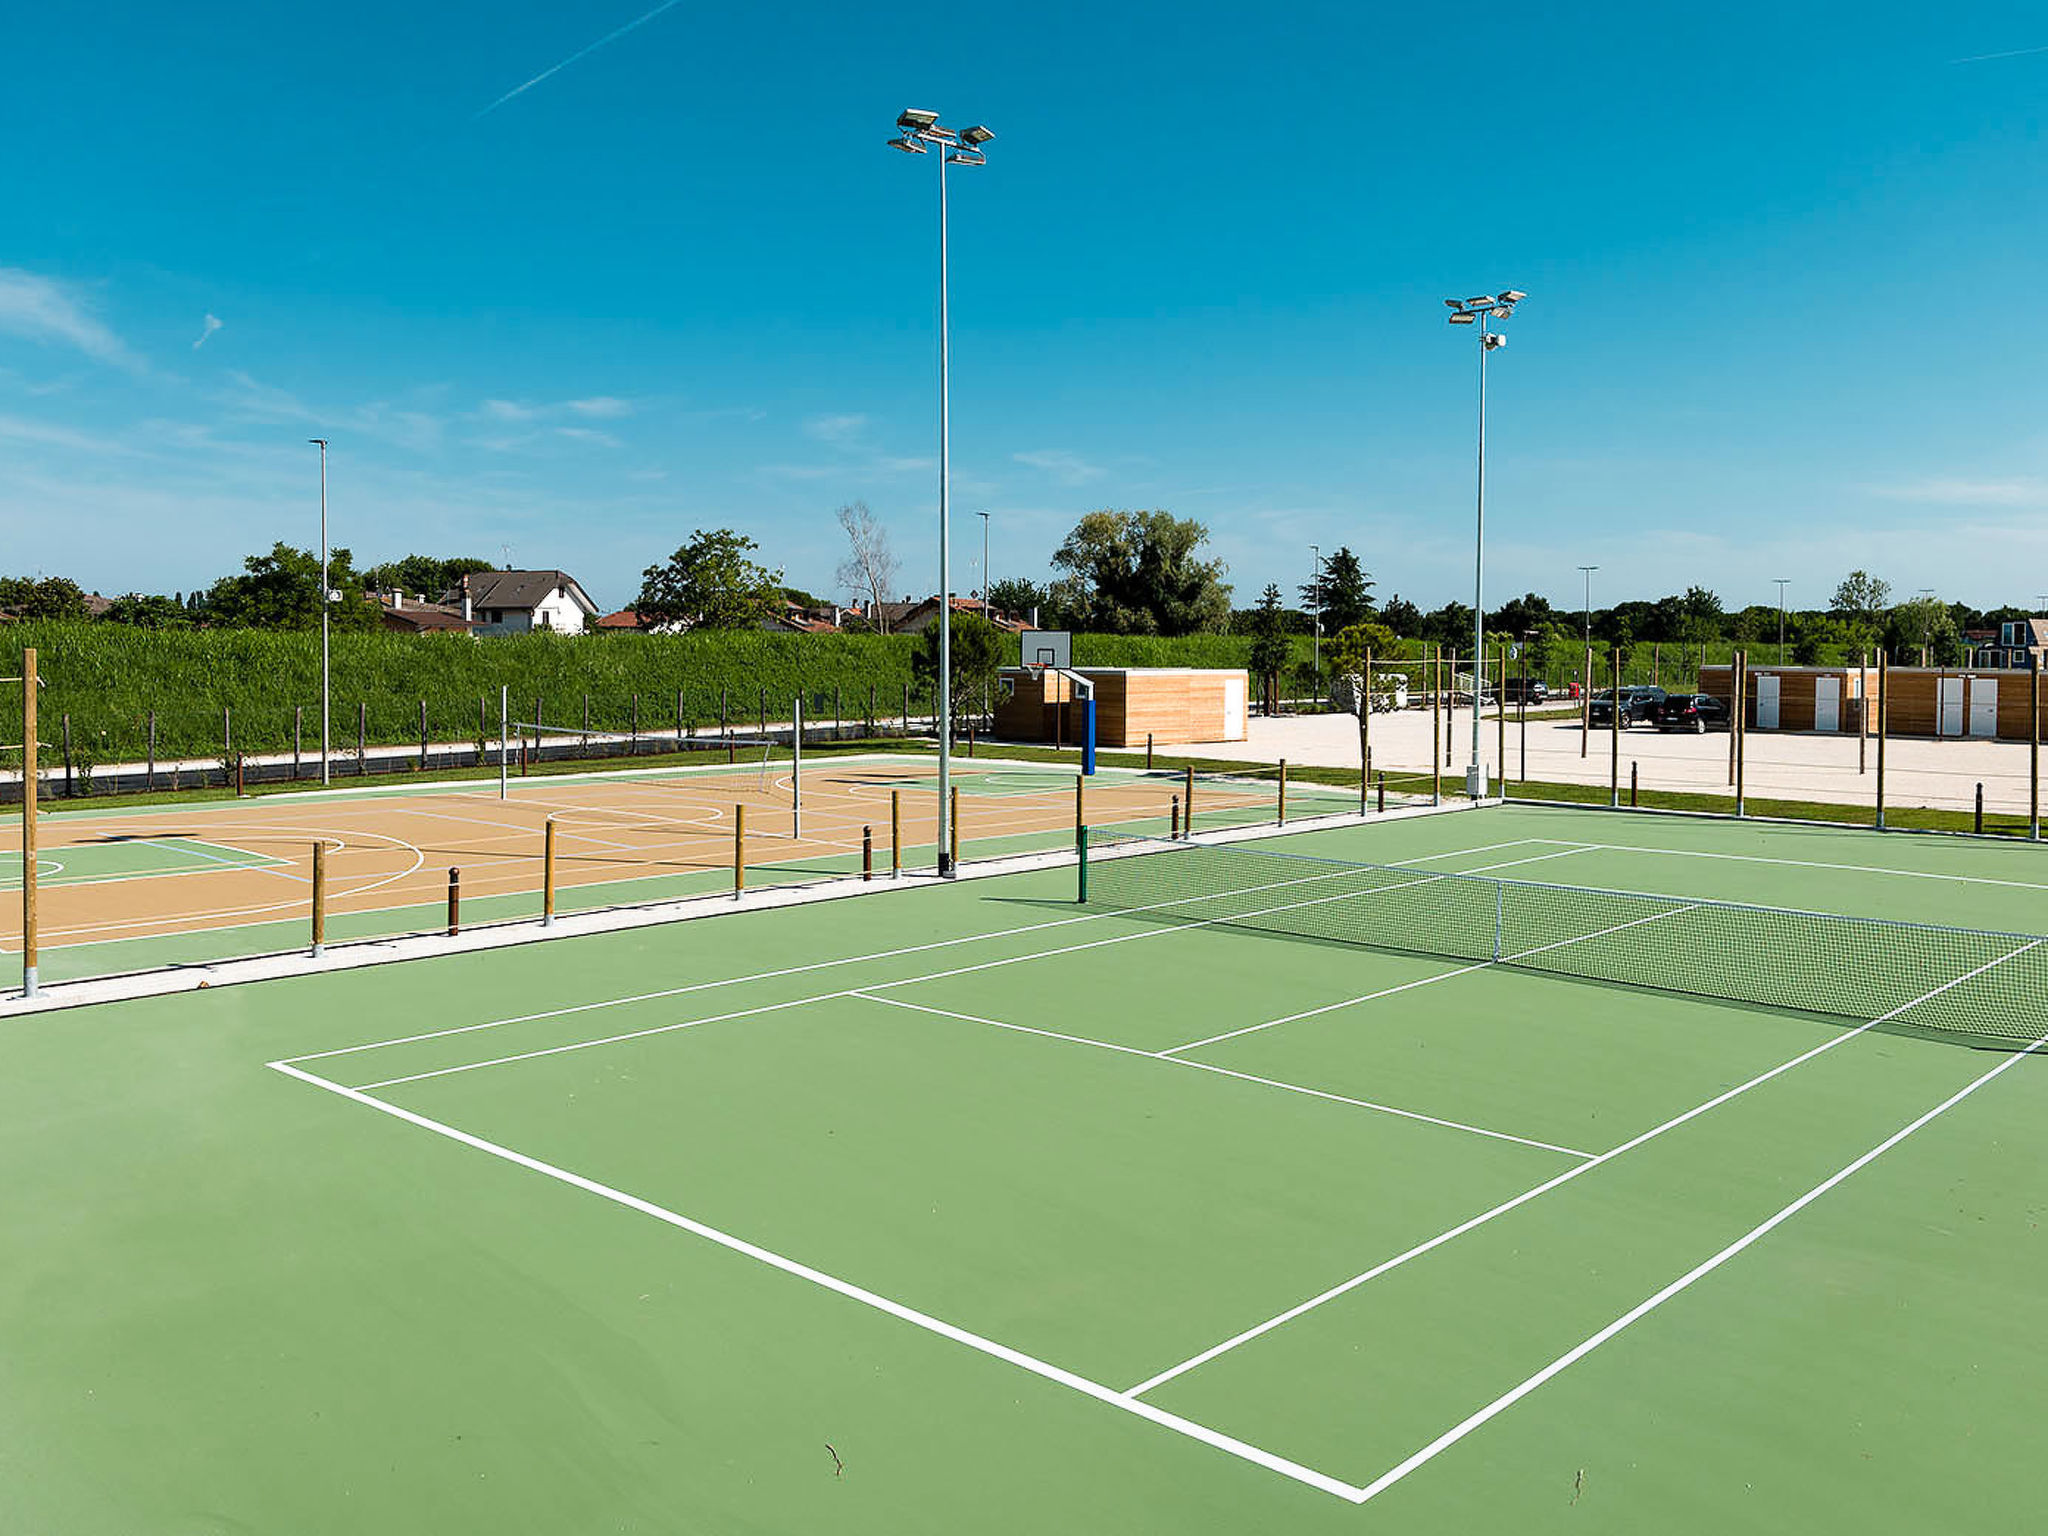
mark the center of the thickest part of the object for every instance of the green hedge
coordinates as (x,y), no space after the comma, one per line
(109,677)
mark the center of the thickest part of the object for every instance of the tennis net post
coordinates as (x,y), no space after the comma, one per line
(1281,819)
(1187,814)
(953,824)
(547,874)
(319,897)
(1081,864)
(454,902)
(895,834)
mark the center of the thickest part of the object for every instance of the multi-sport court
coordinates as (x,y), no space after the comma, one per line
(1217,1202)
(137,888)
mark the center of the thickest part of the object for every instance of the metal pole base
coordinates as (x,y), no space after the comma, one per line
(1475,782)
(945,866)
(319,950)
(29,986)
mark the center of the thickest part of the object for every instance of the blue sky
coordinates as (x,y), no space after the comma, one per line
(1781,270)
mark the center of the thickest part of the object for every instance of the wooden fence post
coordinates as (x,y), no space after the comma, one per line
(547,875)
(739,850)
(319,897)
(895,833)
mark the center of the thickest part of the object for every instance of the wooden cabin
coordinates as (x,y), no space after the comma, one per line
(1987,703)
(1171,705)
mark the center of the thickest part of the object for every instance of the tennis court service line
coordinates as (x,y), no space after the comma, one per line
(1244,1077)
(1241,1449)
(1855,869)
(1650,1304)
(823,965)
(844,992)
(1514,1202)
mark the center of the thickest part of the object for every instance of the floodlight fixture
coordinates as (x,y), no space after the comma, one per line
(1463,317)
(1455,303)
(1494,339)
(1481,301)
(966,157)
(1501,311)
(1512,295)
(908,146)
(914,118)
(976,136)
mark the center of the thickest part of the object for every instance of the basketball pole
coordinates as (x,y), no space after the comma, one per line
(796,770)
(28,823)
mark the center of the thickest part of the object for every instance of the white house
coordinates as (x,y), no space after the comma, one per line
(513,602)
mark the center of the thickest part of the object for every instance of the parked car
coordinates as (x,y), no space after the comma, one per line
(1515,689)
(1638,704)
(1693,712)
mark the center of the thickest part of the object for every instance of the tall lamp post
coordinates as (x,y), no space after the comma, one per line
(325,588)
(985,583)
(1476,311)
(917,131)
(1782,582)
(1589,570)
(1316,552)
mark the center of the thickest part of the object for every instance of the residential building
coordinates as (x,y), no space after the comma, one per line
(416,616)
(2016,644)
(514,602)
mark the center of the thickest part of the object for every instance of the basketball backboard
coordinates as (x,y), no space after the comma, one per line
(1048,648)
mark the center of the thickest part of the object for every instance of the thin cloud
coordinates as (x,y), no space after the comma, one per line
(1968,493)
(836,429)
(1067,468)
(44,310)
(2010,53)
(581,53)
(213,323)
(509,410)
(589,435)
(602,406)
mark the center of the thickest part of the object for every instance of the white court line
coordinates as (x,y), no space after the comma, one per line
(1188,1427)
(1408,986)
(1643,1308)
(1347,1286)
(816,997)
(1244,1077)
(1860,869)
(814,965)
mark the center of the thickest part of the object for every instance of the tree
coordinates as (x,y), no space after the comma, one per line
(1402,617)
(868,572)
(1861,598)
(426,575)
(281,590)
(1515,619)
(1355,642)
(1270,650)
(45,597)
(1449,626)
(710,583)
(1924,621)
(1345,592)
(977,657)
(146,612)
(1699,617)
(1015,596)
(1140,573)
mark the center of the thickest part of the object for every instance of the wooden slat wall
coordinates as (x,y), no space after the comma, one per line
(1173,707)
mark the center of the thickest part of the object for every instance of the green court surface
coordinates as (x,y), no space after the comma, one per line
(119,858)
(972,1208)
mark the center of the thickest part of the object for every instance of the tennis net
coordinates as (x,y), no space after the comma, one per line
(1955,983)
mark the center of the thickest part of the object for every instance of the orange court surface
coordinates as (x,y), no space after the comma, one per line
(126,889)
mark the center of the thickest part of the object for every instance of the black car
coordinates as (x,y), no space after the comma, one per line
(1638,704)
(1517,690)
(1693,712)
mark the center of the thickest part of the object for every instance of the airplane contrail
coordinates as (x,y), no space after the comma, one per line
(2010,53)
(581,53)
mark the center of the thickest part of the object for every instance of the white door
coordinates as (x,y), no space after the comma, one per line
(1950,722)
(1983,706)
(1233,709)
(1767,702)
(1827,703)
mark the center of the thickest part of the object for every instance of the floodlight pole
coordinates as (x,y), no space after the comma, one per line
(916,130)
(1316,551)
(985,583)
(1782,582)
(325,691)
(1589,570)
(1476,312)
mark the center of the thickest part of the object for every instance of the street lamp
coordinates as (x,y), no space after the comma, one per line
(1316,588)
(324,590)
(984,564)
(1476,311)
(1782,582)
(1589,570)
(917,131)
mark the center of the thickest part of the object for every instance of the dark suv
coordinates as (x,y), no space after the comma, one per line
(1638,704)
(1693,712)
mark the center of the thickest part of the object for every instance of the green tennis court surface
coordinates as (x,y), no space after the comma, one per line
(122,858)
(976,1209)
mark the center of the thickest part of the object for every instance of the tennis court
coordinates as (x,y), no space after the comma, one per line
(625,836)
(1325,1181)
